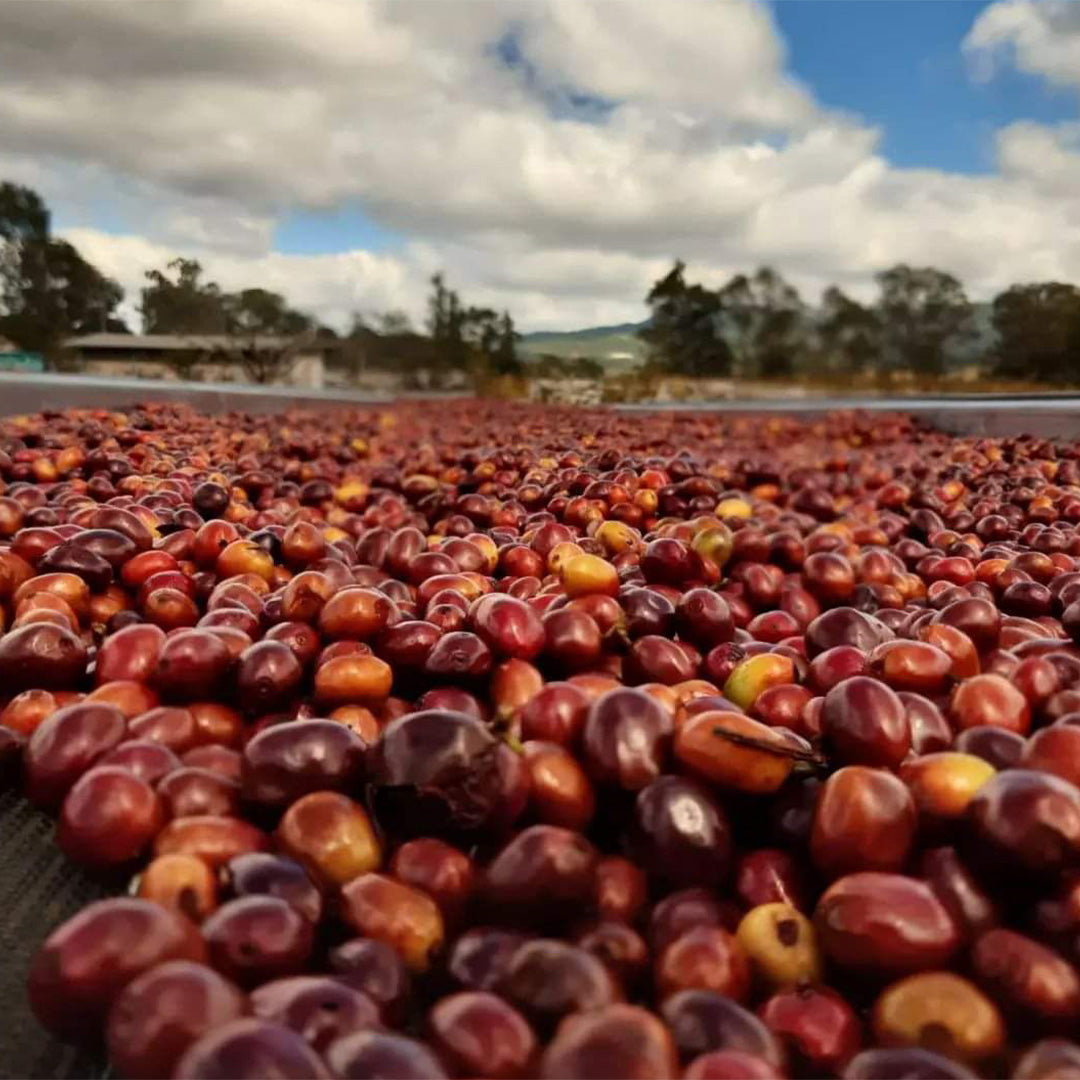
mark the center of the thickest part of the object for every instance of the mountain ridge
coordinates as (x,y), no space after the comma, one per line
(618,347)
(587,332)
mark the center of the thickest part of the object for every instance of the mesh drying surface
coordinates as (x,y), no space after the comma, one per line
(39,889)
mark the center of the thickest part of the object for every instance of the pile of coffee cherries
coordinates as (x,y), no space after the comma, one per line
(470,739)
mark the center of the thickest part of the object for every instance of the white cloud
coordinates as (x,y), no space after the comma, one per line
(541,288)
(331,285)
(560,185)
(697,59)
(1041,37)
(1046,157)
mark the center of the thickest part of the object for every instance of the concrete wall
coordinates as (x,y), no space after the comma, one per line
(393,380)
(566,391)
(1047,415)
(22,393)
(308,371)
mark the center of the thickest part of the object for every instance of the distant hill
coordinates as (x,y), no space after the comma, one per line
(619,348)
(616,347)
(590,332)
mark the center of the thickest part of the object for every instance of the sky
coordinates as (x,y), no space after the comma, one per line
(551,156)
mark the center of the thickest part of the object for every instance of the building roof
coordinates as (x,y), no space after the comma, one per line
(184,342)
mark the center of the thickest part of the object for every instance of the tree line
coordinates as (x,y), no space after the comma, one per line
(457,337)
(755,326)
(921,322)
(49,293)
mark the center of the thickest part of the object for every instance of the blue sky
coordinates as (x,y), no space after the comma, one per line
(898,64)
(322,232)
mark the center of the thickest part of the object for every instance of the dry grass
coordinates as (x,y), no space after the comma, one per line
(639,385)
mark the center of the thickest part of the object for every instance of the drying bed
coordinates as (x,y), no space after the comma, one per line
(485,739)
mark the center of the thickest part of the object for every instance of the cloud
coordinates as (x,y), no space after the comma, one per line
(702,61)
(1043,156)
(551,155)
(1041,37)
(541,288)
(332,286)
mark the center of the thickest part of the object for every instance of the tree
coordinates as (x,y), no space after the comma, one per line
(551,366)
(394,322)
(263,360)
(923,311)
(480,331)
(445,316)
(849,334)
(464,337)
(84,298)
(184,364)
(765,317)
(254,328)
(61,295)
(263,334)
(438,320)
(505,359)
(1038,329)
(491,341)
(183,304)
(778,334)
(584,367)
(353,354)
(682,331)
(446,324)
(261,312)
(23,214)
(477,338)
(48,291)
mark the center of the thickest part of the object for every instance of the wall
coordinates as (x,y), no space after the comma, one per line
(308,371)
(404,377)
(565,391)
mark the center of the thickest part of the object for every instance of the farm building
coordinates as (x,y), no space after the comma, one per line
(203,357)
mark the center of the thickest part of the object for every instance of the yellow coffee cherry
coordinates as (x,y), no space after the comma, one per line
(583,575)
(756,674)
(733,508)
(943,784)
(561,554)
(781,944)
(714,543)
(617,536)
